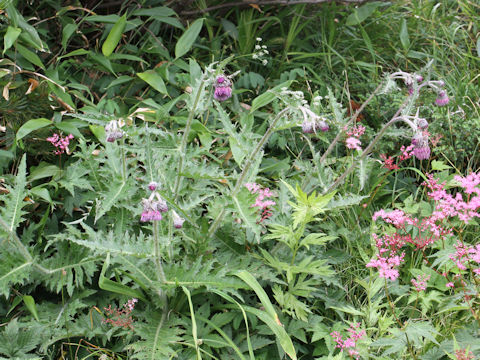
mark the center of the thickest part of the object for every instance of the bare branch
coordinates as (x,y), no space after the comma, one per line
(245,3)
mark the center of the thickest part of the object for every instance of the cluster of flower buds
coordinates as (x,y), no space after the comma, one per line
(420,146)
(260,52)
(61,143)
(312,122)
(415,83)
(113,130)
(155,205)
(223,88)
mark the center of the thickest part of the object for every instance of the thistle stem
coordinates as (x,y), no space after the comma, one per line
(395,118)
(244,172)
(352,118)
(183,144)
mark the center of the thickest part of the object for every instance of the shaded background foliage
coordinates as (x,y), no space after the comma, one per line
(347,49)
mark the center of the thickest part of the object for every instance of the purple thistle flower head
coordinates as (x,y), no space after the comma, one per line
(177,220)
(160,205)
(322,125)
(422,123)
(153,186)
(442,98)
(421,149)
(419,78)
(308,126)
(222,93)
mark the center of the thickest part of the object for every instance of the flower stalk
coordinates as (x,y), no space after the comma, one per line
(215,224)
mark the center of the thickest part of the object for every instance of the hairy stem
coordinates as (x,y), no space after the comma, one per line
(186,132)
(352,118)
(244,172)
(395,118)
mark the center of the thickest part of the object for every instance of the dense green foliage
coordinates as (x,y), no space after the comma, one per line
(270,262)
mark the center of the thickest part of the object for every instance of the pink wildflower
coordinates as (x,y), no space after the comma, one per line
(353,143)
(177,220)
(350,343)
(61,143)
(120,317)
(420,282)
(261,202)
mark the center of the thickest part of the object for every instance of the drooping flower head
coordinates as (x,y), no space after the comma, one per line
(442,98)
(421,149)
(113,131)
(153,207)
(223,88)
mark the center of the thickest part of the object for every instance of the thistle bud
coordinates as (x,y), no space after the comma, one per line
(153,186)
(177,220)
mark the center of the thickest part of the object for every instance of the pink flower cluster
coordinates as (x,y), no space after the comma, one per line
(350,343)
(261,202)
(120,317)
(463,355)
(430,229)
(60,142)
(420,282)
(353,139)
(466,254)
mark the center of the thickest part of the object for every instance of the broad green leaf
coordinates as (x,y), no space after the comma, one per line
(10,37)
(74,53)
(279,331)
(268,96)
(154,80)
(159,11)
(103,61)
(439,165)
(116,287)
(362,13)
(262,295)
(30,56)
(30,304)
(32,125)
(41,192)
(114,36)
(67,32)
(404,39)
(43,170)
(185,42)
(69,127)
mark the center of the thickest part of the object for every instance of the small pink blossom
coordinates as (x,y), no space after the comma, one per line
(61,143)
(261,201)
(449,285)
(353,143)
(420,282)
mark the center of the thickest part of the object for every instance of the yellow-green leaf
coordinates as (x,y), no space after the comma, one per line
(114,36)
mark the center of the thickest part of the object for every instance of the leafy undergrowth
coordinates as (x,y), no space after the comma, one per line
(256,183)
